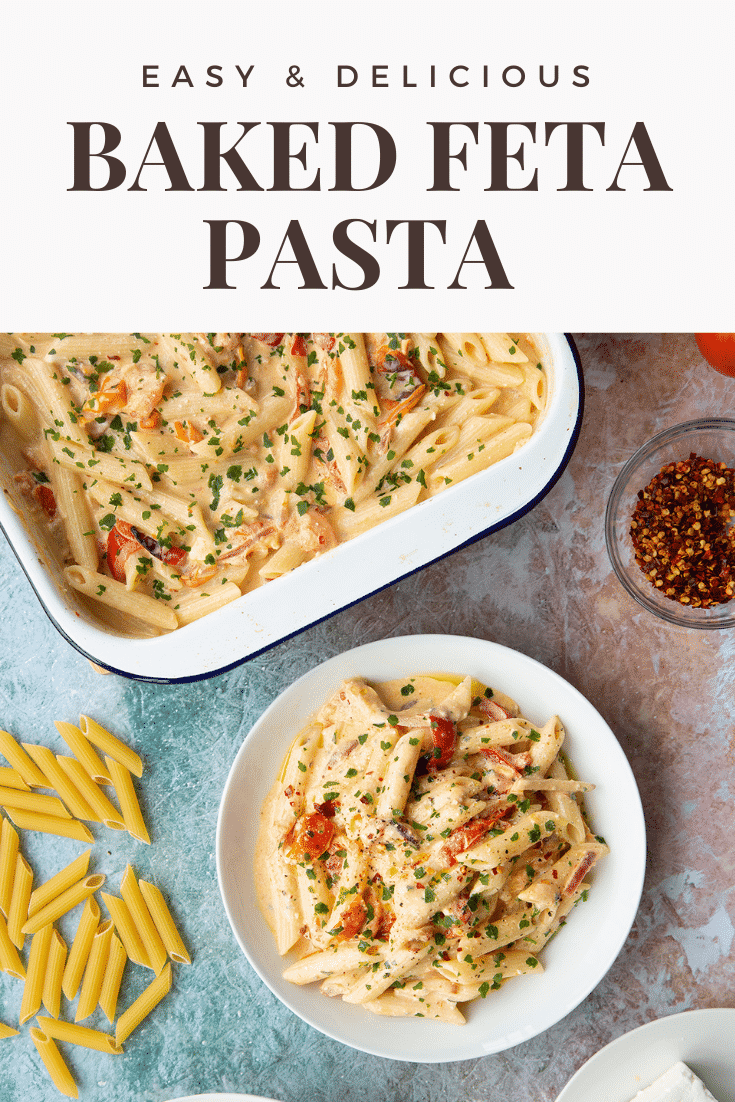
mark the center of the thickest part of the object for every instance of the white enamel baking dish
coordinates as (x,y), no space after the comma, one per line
(318,589)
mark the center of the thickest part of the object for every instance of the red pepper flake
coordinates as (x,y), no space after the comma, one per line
(682,532)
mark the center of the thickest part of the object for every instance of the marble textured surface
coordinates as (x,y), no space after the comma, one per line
(542,586)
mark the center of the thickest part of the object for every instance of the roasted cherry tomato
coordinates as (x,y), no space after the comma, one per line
(271,339)
(313,834)
(444,737)
(718,350)
(120,544)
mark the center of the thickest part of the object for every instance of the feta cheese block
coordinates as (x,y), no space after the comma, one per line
(678,1084)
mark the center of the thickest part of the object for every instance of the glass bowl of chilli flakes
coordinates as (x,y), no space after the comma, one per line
(670,524)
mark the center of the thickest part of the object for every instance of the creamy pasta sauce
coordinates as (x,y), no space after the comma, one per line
(421,844)
(176,471)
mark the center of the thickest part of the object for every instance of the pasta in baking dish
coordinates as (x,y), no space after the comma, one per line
(178,471)
(422,843)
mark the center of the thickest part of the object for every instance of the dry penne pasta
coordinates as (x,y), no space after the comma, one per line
(110,745)
(37,961)
(83,752)
(59,780)
(35,802)
(144,923)
(59,883)
(8,855)
(78,1035)
(79,952)
(50,824)
(7,1031)
(416,850)
(19,900)
(52,980)
(109,991)
(94,972)
(11,778)
(131,1018)
(63,903)
(164,922)
(187,458)
(127,929)
(91,792)
(47,1049)
(10,961)
(126,797)
(21,762)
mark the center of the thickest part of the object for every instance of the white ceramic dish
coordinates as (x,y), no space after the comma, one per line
(324,586)
(575,961)
(703,1039)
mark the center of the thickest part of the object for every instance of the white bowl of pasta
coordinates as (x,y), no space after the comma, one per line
(436,928)
(155,483)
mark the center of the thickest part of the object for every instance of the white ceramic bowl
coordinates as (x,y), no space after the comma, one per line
(575,961)
(459,515)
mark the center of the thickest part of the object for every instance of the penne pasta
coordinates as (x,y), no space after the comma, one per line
(413,851)
(11,778)
(79,952)
(8,856)
(10,961)
(110,745)
(37,962)
(91,792)
(82,1035)
(63,903)
(126,797)
(164,923)
(54,1063)
(21,762)
(110,989)
(83,752)
(144,923)
(127,929)
(59,883)
(59,780)
(53,978)
(50,824)
(232,458)
(131,1018)
(94,972)
(19,900)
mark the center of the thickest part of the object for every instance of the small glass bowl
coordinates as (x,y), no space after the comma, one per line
(712,438)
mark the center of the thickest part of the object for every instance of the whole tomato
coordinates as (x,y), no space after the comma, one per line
(718,350)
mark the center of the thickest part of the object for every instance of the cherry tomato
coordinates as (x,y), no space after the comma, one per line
(120,544)
(313,834)
(444,737)
(718,350)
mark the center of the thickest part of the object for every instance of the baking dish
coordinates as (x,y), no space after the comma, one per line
(340,577)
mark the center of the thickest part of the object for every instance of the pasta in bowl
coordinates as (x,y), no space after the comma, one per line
(420,922)
(421,845)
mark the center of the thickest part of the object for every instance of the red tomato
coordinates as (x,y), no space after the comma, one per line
(444,737)
(353,919)
(313,834)
(45,497)
(718,350)
(271,339)
(120,543)
(298,348)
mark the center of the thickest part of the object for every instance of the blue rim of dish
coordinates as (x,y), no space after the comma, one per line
(574,436)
